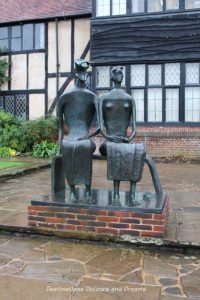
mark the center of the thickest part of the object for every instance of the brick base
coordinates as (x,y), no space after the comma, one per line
(99,222)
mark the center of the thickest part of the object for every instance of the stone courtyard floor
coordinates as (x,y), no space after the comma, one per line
(43,268)
(39,267)
(180,180)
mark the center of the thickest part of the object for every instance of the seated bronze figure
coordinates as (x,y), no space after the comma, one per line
(77,108)
(124,161)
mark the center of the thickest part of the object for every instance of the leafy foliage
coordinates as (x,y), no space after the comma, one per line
(45,149)
(3,70)
(7,152)
(23,135)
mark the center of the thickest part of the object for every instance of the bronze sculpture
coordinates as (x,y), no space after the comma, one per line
(125,162)
(77,108)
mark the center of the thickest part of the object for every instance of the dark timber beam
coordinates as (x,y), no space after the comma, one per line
(66,83)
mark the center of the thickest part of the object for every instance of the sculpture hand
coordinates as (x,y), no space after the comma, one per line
(125,140)
(117,139)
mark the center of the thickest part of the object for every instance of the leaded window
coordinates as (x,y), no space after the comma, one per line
(4,38)
(172,4)
(192,73)
(22,37)
(190,4)
(16,38)
(192,104)
(172,105)
(155,5)
(172,74)
(1,102)
(138,75)
(103,80)
(17,105)
(154,74)
(164,93)
(138,6)
(138,95)
(155,105)
(118,7)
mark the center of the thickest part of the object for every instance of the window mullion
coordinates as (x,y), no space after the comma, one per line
(163,95)
(164,5)
(182,94)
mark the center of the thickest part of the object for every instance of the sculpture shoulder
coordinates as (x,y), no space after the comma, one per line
(76,92)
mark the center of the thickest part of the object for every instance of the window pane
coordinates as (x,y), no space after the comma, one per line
(16,44)
(1,102)
(9,104)
(21,107)
(172,105)
(192,73)
(138,96)
(118,7)
(4,33)
(103,77)
(4,45)
(16,32)
(172,4)
(28,37)
(189,4)
(39,36)
(137,6)
(155,5)
(154,74)
(172,74)
(192,104)
(102,92)
(155,105)
(103,8)
(138,75)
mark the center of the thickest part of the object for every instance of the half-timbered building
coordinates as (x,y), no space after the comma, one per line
(40,40)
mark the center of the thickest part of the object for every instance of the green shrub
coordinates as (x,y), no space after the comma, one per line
(36,131)
(7,152)
(23,135)
(3,68)
(45,149)
(9,131)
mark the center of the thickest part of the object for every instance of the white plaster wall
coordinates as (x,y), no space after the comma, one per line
(19,72)
(81,37)
(4,86)
(51,91)
(36,106)
(36,71)
(51,47)
(64,42)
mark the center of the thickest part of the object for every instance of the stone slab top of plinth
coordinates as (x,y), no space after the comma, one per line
(146,202)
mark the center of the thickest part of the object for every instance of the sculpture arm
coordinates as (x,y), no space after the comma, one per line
(60,124)
(133,125)
(97,130)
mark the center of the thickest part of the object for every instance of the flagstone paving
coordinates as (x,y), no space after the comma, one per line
(180,180)
(50,268)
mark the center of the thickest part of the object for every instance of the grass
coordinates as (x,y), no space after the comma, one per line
(12,164)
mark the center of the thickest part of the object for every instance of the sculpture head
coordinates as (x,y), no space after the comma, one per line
(81,67)
(117,74)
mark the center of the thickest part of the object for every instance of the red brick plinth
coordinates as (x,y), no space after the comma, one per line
(99,221)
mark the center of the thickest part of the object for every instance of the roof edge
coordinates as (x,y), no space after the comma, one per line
(64,17)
